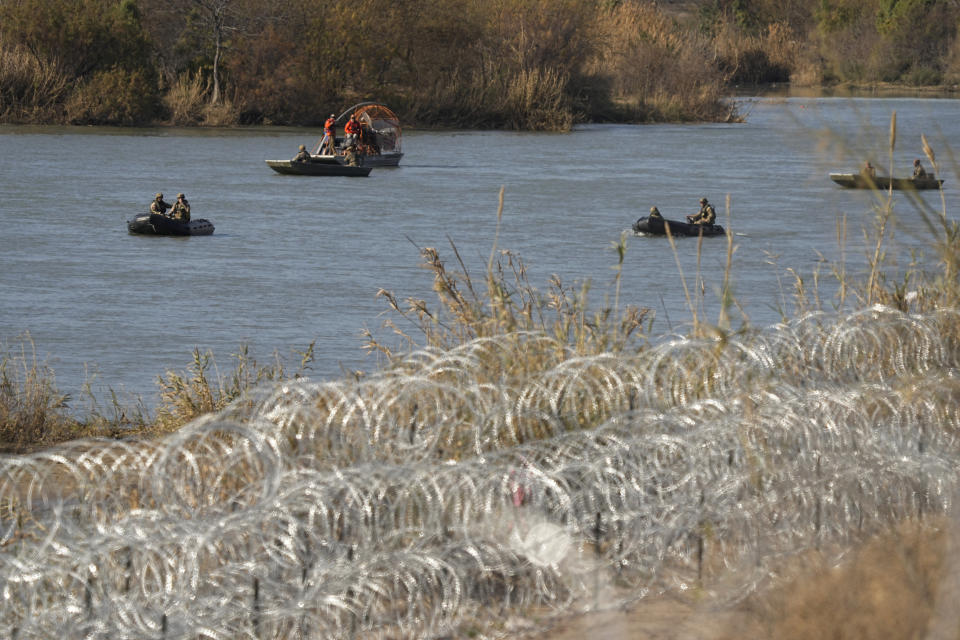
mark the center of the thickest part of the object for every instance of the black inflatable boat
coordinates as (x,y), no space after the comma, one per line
(153,224)
(655,227)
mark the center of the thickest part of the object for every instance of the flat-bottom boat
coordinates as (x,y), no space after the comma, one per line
(656,227)
(385,159)
(860,181)
(317,166)
(153,224)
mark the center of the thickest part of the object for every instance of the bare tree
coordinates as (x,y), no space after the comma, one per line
(217,18)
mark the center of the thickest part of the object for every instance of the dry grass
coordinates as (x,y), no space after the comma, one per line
(900,585)
(505,303)
(188,103)
(896,586)
(186,99)
(29,89)
(202,389)
(656,69)
(34,413)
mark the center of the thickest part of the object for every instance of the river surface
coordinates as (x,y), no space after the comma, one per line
(296,260)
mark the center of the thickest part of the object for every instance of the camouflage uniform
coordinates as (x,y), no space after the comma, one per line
(655,214)
(181,210)
(918,170)
(302,155)
(350,157)
(158,206)
(706,215)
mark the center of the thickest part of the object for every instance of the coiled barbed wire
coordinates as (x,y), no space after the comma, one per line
(435,495)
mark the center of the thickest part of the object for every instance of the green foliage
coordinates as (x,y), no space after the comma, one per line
(894,15)
(100,45)
(80,36)
(834,17)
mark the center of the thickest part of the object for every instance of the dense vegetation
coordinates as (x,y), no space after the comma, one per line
(530,64)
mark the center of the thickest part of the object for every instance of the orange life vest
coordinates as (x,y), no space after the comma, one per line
(352,127)
(328,126)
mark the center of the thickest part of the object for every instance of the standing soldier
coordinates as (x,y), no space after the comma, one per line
(158,206)
(181,210)
(328,144)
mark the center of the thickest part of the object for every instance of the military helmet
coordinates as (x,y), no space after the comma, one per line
(654,210)
(159,196)
(703,201)
(916,162)
(180,195)
(302,147)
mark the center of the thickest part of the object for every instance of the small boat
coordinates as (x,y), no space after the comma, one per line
(379,142)
(860,181)
(656,227)
(154,224)
(318,166)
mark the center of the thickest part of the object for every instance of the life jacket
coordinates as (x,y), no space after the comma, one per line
(328,126)
(352,127)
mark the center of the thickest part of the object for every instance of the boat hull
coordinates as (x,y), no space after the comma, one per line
(657,227)
(375,160)
(317,167)
(152,224)
(858,181)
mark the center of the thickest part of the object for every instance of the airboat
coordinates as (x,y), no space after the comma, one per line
(379,140)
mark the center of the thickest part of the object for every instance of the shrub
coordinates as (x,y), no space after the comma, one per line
(116,96)
(30,90)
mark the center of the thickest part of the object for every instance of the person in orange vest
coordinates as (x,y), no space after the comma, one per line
(352,130)
(328,144)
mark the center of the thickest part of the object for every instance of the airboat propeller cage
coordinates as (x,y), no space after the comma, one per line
(383,122)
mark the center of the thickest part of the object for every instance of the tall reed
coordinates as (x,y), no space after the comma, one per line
(203,389)
(505,303)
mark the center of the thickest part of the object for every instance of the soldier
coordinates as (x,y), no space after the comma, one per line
(350,157)
(158,206)
(302,155)
(181,210)
(868,171)
(655,214)
(918,170)
(706,215)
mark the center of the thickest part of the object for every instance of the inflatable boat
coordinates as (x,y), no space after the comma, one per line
(153,224)
(656,227)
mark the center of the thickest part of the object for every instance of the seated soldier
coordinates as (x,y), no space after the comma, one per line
(181,209)
(705,216)
(158,206)
(302,155)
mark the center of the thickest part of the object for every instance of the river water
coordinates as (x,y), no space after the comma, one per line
(300,259)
